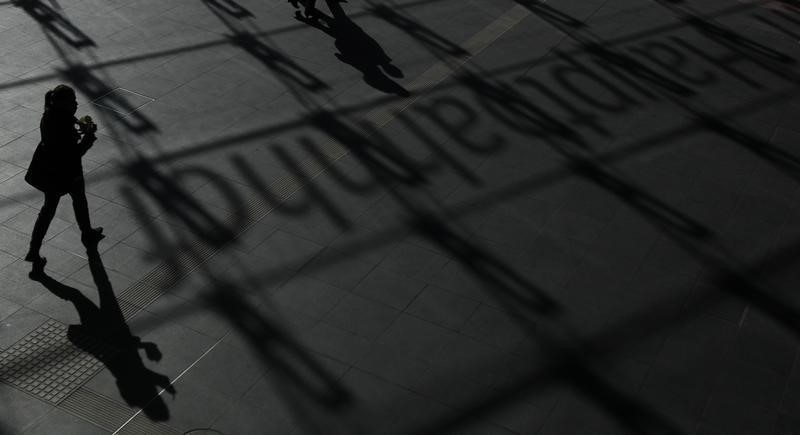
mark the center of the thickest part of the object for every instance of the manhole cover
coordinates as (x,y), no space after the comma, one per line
(122,101)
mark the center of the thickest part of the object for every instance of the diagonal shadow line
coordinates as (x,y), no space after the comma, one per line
(769,304)
(540,180)
(187,48)
(351,109)
(579,372)
(603,344)
(231,8)
(306,120)
(564,367)
(299,81)
(599,48)
(52,22)
(587,379)
(513,67)
(254,133)
(424,35)
(737,275)
(89,84)
(274,345)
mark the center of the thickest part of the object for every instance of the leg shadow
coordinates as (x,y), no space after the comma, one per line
(104,334)
(357,48)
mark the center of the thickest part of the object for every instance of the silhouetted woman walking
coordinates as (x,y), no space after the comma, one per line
(56,168)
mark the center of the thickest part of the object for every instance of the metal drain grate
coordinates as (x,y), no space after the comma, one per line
(46,364)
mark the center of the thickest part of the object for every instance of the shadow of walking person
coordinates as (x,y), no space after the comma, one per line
(356,47)
(104,334)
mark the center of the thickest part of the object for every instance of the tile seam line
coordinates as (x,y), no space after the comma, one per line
(517,14)
(432,77)
(382,116)
(507,20)
(173,51)
(136,414)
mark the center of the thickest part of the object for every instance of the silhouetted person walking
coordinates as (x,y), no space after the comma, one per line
(56,168)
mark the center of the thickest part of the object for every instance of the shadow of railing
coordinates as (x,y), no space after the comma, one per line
(296,78)
(296,372)
(402,177)
(54,23)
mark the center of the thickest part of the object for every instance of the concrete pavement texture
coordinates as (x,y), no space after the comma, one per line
(407,216)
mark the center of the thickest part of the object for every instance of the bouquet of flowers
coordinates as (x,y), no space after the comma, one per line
(86,125)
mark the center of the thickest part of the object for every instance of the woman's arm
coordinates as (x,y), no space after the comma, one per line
(86,142)
(87,128)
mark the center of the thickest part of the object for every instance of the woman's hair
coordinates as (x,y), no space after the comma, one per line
(58,93)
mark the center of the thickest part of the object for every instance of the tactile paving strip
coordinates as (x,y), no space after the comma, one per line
(110,415)
(151,287)
(47,365)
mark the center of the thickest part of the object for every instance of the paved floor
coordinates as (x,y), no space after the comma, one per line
(408,216)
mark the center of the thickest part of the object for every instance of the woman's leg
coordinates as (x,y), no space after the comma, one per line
(81,207)
(42,224)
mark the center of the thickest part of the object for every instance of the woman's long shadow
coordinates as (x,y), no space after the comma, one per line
(104,334)
(357,48)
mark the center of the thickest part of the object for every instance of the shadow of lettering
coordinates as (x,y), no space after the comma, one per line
(166,248)
(508,106)
(371,148)
(614,61)
(294,202)
(574,76)
(348,180)
(675,61)
(438,152)
(175,201)
(315,193)
(623,65)
(576,115)
(740,48)
(458,119)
